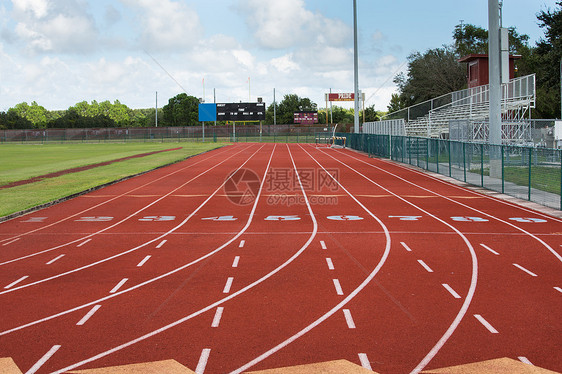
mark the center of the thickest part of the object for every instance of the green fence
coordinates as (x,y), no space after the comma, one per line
(533,174)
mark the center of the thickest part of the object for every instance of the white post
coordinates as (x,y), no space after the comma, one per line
(356,69)
(156,109)
(494,53)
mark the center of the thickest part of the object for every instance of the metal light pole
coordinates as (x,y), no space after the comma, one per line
(156,119)
(494,53)
(355,69)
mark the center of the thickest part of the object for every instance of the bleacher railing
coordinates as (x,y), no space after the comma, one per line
(528,173)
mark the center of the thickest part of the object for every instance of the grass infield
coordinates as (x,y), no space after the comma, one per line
(21,162)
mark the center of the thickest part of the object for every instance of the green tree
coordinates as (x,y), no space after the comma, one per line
(181,110)
(469,39)
(371,114)
(287,107)
(34,113)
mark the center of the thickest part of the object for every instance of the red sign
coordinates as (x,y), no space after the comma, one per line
(341,97)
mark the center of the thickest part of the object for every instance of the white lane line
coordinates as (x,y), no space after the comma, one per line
(486,324)
(16,282)
(236,262)
(525,360)
(406,247)
(365,361)
(54,259)
(84,242)
(489,249)
(427,268)
(451,291)
(337,284)
(525,270)
(43,359)
(349,319)
(218,316)
(228,285)
(161,243)
(88,315)
(242,243)
(10,242)
(330,263)
(144,260)
(203,361)
(119,285)
(323,244)
(558,289)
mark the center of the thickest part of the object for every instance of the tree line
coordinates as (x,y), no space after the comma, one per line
(437,71)
(181,110)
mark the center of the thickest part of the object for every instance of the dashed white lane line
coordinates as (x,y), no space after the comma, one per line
(330,263)
(525,360)
(489,249)
(16,282)
(525,270)
(236,262)
(486,324)
(84,242)
(427,268)
(43,359)
(218,316)
(406,247)
(144,260)
(242,243)
(323,244)
(365,361)
(161,243)
(228,285)
(558,289)
(202,364)
(88,315)
(54,259)
(119,285)
(349,319)
(337,285)
(10,242)
(451,291)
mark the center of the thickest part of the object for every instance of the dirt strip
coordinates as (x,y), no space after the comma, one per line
(81,168)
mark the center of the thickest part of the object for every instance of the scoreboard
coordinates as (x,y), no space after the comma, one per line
(241,112)
(306,118)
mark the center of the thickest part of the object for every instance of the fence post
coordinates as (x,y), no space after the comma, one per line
(560,156)
(464,159)
(449,154)
(437,154)
(530,165)
(482,164)
(503,169)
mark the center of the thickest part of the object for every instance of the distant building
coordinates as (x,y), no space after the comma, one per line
(477,69)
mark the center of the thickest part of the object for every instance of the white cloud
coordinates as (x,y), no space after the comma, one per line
(285,64)
(37,7)
(166,24)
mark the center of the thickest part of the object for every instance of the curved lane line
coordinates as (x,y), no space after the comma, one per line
(473,279)
(138,247)
(221,301)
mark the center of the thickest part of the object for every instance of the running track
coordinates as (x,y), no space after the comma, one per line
(326,255)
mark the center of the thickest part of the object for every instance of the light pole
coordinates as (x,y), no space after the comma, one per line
(355,69)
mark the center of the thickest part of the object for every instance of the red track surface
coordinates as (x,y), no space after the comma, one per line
(387,266)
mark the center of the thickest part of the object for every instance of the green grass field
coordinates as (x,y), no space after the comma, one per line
(20,162)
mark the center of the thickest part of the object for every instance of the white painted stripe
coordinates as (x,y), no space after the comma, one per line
(525,360)
(558,289)
(203,361)
(55,259)
(525,270)
(337,284)
(84,242)
(486,324)
(427,268)
(88,315)
(330,263)
(16,282)
(43,359)
(228,285)
(218,316)
(10,242)
(119,285)
(144,260)
(236,262)
(365,361)
(489,249)
(323,244)
(242,242)
(451,291)
(349,319)
(161,243)
(406,247)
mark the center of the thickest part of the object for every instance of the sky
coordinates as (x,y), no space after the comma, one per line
(61,52)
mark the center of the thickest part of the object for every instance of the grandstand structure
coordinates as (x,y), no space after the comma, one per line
(463,115)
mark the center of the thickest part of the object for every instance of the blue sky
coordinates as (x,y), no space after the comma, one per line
(60,52)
